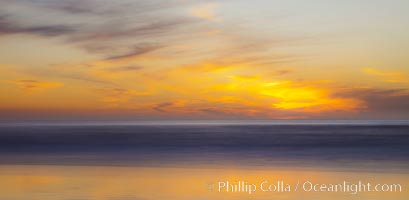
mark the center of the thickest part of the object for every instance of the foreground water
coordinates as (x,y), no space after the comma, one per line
(193,161)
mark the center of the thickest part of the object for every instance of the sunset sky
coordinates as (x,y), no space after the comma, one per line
(182,59)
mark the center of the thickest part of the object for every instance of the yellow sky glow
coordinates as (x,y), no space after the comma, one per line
(202,60)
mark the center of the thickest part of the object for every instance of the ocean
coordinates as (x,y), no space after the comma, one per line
(76,160)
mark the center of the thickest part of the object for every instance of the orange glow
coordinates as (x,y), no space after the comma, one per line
(394,77)
(175,183)
(307,98)
(35,85)
(210,60)
(205,88)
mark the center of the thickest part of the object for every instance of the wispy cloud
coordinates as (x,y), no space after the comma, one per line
(393,77)
(378,102)
(118,30)
(114,96)
(73,73)
(29,84)
(282,72)
(96,26)
(180,58)
(125,68)
(161,107)
(172,106)
(9,27)
(205,11)
(136,51)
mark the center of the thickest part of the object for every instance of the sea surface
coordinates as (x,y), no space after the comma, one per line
(78,160)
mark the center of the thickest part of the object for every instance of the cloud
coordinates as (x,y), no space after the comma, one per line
(28,84)
(213,32)
(233,70)
(88,7)
(308,97)
(245,77)
(393,77)
(9,27)
(118,30)
(125,68)
(114,96)
(161,107)
(205,11)
(136,51)
(179,106)
(381,101)
(100,27)
(208,67)
(283,72)
(71,72)
(122,92)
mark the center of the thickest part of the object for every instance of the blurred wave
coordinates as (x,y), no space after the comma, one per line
(341,145)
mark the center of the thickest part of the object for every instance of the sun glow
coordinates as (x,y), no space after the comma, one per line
(210,60)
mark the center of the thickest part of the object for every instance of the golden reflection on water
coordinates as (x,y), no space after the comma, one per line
(181,183)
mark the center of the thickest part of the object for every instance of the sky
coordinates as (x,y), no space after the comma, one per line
(185,59)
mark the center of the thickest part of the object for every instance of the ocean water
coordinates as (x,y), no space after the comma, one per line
(182,159)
